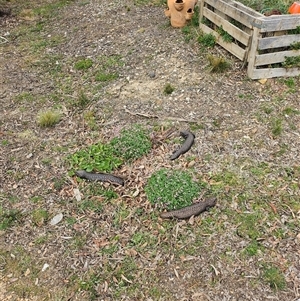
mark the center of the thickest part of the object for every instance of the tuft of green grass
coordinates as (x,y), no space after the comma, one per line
(132,143)
(103,76)
(8,218)
(250,225)
(83,64)
(267,109)
(291,62)
(48,118)
(40,217)
(274,277)
(290,111)
(82,100)
(172,188)
(276,127)
(90,119)
(4,142)
(253,248)
(207,40)
(168,89)
(290,82)
(218,64)
(90,205)
(226,37)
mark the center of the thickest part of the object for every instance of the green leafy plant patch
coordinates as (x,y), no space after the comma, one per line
(132,143)
(173,189)
(97,157)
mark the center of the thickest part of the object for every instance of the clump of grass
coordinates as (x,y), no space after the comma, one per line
(276,126)
(218,64)
(295,45)
(102,76)
(132,143)
(187,31)
(83,64)
(39,217)
(90,119)
(225,35)
(291,62)
(48,118)
(8,218)
(290,111)
(207,40)
(274,277)
(253,248)
(172,188)
(82,100)
(250,226)
(168,89)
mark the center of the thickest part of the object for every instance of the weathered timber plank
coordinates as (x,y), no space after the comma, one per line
(274,57)
(274,72)
(252,52)
(233,10)
(234,31)
(278,41)
(279,22)
(231,47)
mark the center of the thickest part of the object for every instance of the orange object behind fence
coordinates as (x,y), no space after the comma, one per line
(295,8)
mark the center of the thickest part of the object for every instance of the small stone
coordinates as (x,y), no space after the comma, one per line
(151,74)
(56,219)
(45,267)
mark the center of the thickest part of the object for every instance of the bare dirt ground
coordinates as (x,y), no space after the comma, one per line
(246,150)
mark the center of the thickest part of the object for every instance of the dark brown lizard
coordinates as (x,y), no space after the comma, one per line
(189,211)
(187,144)
(99,177)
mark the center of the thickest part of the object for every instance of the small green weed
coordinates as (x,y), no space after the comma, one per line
(250,225)
(276,127)
(36,199)
(225,35)
(83,64)
(290,82)
(102,76)
(253,248)
(4,142)
(294,31)
(40,217)
(290,111)
(132,143)
(295,46)
(168,89)
(187,31)
(25,97)
(90,119)
(172,188)
(267,109)
(90,205)
(41,240)
(291,62)
(218,64)
(50,9)
(82,100)
(207,40)
(48,118)
(274,277)
(8,218)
